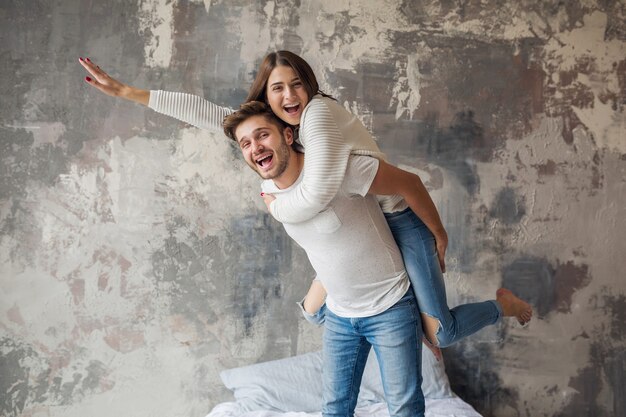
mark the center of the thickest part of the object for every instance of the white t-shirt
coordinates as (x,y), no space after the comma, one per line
(350,245)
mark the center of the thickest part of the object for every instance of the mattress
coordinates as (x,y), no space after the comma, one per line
(440,407)
(292,386)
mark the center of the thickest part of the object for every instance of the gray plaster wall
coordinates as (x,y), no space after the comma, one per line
(137,260)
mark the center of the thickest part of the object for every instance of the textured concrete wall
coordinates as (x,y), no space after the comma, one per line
(136,258)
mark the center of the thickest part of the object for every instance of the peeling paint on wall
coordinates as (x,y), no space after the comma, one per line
(135,248)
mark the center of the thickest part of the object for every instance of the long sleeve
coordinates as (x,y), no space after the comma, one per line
(325,160)
(190,109)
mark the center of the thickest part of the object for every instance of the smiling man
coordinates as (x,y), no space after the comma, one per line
(266,145)
(353,252)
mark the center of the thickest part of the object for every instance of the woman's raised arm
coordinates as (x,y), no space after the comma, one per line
(188,108)
(110,86)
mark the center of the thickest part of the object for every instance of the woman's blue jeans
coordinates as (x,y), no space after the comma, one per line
(395,335)
(419,252)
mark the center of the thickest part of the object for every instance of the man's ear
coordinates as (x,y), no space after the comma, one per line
(288,134)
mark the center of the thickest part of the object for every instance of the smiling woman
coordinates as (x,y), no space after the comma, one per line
(286,94)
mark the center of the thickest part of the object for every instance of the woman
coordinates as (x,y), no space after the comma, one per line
(329,134)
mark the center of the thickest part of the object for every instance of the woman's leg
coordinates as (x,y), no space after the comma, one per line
(442,325)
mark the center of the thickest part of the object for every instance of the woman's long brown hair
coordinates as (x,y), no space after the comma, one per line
(274,59)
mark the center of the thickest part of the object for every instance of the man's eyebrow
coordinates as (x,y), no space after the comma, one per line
(253,132)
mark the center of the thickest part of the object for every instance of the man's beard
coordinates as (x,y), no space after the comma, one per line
(283,160)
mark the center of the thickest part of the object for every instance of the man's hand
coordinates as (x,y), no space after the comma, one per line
(110,86)
(434,349)
(267,199)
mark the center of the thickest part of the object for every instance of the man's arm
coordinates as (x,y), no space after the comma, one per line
(313,304)
(315,297)
(391,180)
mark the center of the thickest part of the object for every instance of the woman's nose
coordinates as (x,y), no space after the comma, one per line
(290,92)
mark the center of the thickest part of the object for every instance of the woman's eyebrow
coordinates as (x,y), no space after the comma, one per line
(280,82)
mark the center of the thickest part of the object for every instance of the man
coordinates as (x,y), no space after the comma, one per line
(349,245)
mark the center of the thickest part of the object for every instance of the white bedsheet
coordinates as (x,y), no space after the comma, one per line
(444,407)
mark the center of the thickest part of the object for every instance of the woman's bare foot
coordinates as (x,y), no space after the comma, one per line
(512,306)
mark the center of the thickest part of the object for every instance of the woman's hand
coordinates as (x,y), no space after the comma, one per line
(267,199)
(110,86)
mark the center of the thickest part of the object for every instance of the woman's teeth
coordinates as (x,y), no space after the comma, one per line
(292,109)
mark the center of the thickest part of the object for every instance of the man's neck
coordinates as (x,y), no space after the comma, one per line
(292,172)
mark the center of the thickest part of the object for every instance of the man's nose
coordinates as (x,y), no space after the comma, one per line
(256,147)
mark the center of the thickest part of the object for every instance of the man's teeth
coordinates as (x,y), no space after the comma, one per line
(264,160)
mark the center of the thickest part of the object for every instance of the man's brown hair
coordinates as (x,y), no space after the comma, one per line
(246,111)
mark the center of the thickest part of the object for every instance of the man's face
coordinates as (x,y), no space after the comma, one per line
(264,146)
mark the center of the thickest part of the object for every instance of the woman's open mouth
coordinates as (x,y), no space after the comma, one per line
(292,108)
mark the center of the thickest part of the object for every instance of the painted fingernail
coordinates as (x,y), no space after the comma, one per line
(262,194)
(88,79)
(81,58)
(88,59)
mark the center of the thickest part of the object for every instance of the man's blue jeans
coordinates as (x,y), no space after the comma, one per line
(396,337)
(419,252)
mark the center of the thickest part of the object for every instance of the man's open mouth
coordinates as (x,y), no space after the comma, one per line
(265,160)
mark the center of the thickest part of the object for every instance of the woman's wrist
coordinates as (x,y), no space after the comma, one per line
(135,94)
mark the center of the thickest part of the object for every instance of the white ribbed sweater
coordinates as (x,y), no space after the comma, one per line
(328,133)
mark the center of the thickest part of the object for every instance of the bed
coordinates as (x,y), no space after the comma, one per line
(291,387)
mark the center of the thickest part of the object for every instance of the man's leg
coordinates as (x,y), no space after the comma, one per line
(396,336)
(345,353)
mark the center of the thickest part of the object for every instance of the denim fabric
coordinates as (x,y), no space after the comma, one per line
(317,318)
(418,248)
(396,337)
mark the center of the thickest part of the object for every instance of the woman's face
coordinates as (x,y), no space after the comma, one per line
(286,94)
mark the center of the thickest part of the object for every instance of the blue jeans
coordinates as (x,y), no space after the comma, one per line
(396,337)
(419,252)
